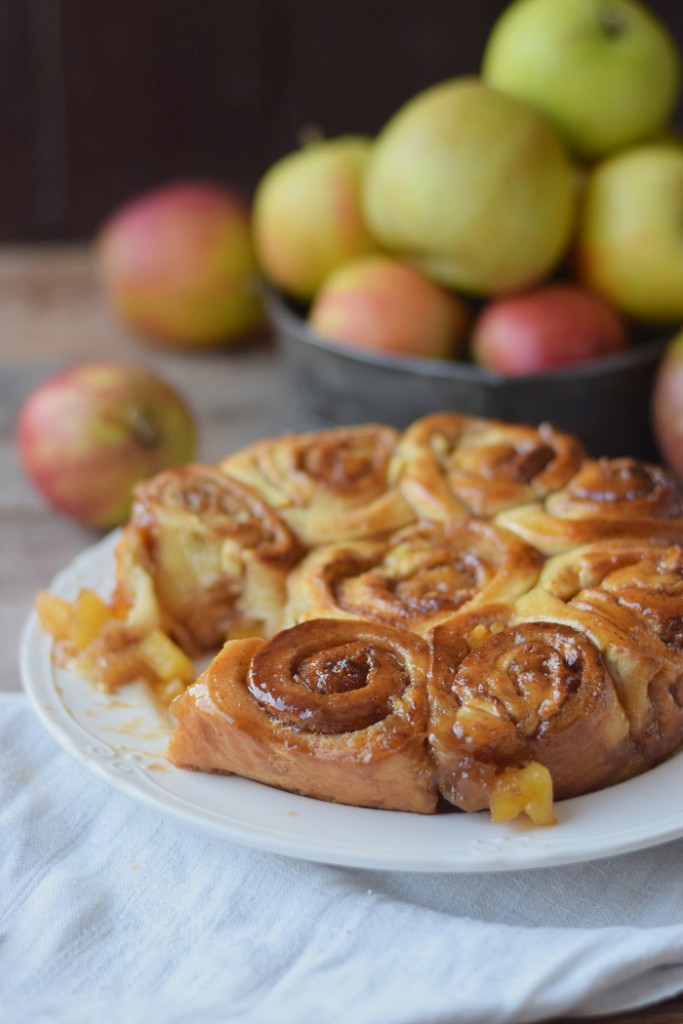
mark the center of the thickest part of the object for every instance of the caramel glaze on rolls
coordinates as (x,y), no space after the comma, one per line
(471,608)
(414,578)
(531,692)
(606,498)
(212,551)
(453,466)
(333,709)
(328,486)
(632,608)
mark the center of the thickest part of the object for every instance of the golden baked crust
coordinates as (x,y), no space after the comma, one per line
(605,498)
(470,609)
(333,709)
(453,466)
(416,577)
(328,486)
(527,693)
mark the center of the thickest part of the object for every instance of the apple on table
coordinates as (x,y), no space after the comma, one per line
(87,435)
(667,405)
(178,266)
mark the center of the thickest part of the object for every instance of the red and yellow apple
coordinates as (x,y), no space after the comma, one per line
(380,305)
(552,326)
(178,265)
(628,244)
(472,187)
(88,435)
(667,406)
(307,214)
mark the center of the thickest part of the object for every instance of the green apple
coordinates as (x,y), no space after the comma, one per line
(472,187)
(605,71)
(307,214)
(629,245)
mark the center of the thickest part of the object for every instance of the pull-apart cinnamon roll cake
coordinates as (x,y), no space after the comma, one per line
(469,611)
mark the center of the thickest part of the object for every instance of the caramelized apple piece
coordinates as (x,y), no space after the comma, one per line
(54,614)
(109,651)
(165,658)
(90,614)
(527,790)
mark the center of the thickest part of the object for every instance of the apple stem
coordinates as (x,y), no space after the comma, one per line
(612,20)
(143,427)
(309,133)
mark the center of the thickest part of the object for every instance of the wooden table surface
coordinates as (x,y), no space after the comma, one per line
(52,316)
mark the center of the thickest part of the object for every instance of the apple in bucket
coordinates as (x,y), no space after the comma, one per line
(88,435)
(628,244)
(605,72)
(379,305)
(308,218)
(471,187)
(547,328)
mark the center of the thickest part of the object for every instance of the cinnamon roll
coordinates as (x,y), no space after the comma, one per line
(606,498)
(212,553)
(453,466)
(334,709)
(328,486)
(415,578)
(531,693)
(633,610)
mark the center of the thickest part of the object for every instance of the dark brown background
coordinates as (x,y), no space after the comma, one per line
(99,100)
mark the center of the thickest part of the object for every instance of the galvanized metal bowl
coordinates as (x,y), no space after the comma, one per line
(605,402)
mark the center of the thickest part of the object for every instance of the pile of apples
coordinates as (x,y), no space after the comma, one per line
(528,218)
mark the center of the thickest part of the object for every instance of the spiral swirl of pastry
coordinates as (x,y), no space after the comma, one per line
(628,595)
(333,677)
(330,485)
(334,709)
(450,465)
(531,692)
(606,498)
(652,590)
(589,565)
(216,553)
(415,578)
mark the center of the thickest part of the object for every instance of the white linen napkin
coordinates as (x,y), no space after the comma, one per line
(109,911)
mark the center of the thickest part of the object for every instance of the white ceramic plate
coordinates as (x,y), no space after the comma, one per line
(122,741)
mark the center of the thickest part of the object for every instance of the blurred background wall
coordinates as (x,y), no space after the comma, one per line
(102,98)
